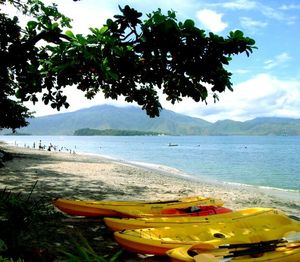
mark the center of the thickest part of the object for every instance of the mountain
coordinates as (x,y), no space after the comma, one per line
(112,117)
(273,126)
(107,117)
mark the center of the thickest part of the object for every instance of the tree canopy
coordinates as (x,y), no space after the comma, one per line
(125,57)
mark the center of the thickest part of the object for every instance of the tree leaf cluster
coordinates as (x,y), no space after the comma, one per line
(126,57)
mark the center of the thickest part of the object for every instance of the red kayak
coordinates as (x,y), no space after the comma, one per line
(195,211)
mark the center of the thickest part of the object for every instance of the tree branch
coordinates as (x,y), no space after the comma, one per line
(45,35)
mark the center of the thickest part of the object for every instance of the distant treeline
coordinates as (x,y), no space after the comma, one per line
(17,134)
(112,132)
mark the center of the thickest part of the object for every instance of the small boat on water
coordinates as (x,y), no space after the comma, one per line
(171,144)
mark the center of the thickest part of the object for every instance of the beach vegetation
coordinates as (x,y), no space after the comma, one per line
(129,57)
(81,250)
(21,218)
(31,230)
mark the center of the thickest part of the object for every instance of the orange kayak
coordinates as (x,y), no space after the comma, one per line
(90,208)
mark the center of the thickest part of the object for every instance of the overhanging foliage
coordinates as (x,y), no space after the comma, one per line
(126,57)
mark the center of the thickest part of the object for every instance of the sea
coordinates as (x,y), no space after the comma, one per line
(270,162)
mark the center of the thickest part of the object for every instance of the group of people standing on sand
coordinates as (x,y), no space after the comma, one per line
(52,147)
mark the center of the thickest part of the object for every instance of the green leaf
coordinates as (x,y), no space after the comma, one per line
(189,23)
(80,39)
(172,14)
(109,22)
(113,75)
(250,41)
(115,257)
(94,30)
(103,29)
(236,34)
(70,34)
(32,25)
(3,246)
(54,26)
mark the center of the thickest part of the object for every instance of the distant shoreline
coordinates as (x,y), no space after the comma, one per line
(86,176)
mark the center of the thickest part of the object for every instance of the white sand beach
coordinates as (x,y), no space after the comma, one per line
(94,177)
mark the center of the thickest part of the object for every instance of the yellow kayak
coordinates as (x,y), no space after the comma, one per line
(207,206)
(289,252)
(118,224)
(253,229)
(90,208)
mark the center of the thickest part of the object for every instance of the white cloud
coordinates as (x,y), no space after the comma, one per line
(237,5)
(83,15)
(211,20)
(241,71)
(266,10)
(76,99)
(289,7)
(263,95)
(279,60)
(275,14)
(251,24)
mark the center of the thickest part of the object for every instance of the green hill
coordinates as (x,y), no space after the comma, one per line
(133,119)
(111,117)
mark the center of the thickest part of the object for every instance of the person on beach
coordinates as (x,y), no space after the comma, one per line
(50,146)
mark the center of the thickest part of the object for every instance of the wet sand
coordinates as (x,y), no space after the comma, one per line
(94,177)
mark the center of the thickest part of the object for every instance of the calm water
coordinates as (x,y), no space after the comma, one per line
(260,161)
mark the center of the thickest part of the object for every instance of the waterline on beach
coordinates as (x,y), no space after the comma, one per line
(270,162)
(85,176)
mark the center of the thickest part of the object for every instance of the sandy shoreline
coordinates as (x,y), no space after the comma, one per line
(94,177)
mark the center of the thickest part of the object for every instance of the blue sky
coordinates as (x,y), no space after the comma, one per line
(265,84)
